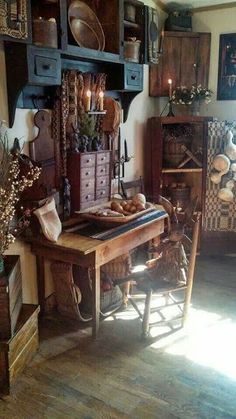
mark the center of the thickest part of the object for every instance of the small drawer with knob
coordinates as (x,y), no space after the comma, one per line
(103,158)
(103,181)
(87,160)
(102,193)
(44,66)
(133,77)
(103,170)
(87,196)
(87,172)
(87,185)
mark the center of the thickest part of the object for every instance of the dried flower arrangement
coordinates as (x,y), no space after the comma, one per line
(12,184)
(184,96)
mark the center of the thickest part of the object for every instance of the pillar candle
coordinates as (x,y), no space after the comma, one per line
(101,97)
(88,100)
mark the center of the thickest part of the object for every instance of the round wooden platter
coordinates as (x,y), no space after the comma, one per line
(114,220)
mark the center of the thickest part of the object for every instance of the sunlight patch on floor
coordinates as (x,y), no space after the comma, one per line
(208,340)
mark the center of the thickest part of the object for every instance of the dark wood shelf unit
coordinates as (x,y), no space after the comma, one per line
(160,176)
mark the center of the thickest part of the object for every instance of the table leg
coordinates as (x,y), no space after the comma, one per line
(96,301)
(41,283)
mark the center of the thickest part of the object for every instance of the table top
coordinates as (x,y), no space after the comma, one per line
(86,245)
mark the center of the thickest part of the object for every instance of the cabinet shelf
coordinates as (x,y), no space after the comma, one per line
(128,24)
(183,170)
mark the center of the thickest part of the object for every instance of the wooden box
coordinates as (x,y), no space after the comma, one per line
(16,353)
(10,297)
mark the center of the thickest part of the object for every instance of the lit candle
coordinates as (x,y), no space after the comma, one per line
(101,97)
(170,88)
(88,100)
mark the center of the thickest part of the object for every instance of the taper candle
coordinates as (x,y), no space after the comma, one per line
(88,100)
(170,88)
(126,150)
(101,97)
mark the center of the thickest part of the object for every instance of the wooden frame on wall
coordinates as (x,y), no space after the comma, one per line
(227,67)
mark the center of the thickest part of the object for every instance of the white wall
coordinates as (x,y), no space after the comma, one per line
(217,22)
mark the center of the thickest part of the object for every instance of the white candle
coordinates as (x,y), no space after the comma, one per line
(88,100)
(101,97)
(170,87)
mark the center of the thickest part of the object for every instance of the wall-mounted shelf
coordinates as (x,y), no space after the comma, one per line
(183,170)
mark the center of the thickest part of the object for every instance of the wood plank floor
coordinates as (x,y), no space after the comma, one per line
(186,374)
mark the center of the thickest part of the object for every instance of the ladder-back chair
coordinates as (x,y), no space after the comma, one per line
(165,276)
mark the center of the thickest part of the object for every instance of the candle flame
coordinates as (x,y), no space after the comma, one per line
(88,93)
(169,81)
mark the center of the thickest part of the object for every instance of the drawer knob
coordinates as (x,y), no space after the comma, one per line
(102,181)
(133,77)
(47,66)
(87,173)
(88,160)
(87,185)
(102,170)
(103,158)
(102,193)
(87,196)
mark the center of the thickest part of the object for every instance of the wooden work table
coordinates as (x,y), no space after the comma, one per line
(91,253)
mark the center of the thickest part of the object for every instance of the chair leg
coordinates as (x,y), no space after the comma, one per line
(146,315)
(191,268)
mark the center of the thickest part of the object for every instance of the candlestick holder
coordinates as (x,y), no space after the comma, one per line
(170,112)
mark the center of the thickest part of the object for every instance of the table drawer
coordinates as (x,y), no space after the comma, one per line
(102,193)
(87,160)
(103,158)
(88,173)
(103,170)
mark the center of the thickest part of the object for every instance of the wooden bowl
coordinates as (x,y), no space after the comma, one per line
(85,26)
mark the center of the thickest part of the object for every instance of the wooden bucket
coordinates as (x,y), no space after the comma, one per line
(45,33)
(180,196)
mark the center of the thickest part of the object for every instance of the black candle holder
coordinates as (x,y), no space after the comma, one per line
(170,112)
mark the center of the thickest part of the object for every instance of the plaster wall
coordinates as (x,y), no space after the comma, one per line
(217,22)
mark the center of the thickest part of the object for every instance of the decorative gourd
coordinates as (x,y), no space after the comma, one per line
(230,149)
(221,163)
(225,194)
(216,177)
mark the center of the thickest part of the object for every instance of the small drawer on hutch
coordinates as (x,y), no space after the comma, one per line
(87,160)
(87,184)
(134,76)
(103,158)
(102,181)
(87,172)
(87,196)
(103,170)
(102,193)
(44,66)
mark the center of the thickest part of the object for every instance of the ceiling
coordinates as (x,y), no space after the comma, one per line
(193,4)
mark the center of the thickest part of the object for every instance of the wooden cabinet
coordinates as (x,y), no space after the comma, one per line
(185,60)
(89,175)
(176,159)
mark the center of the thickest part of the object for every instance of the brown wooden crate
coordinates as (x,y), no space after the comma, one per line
(19,350)
(10,296)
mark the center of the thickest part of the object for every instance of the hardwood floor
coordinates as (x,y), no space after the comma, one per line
(186,374)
